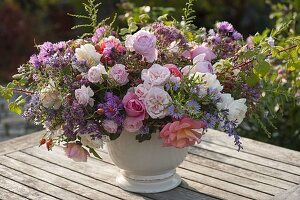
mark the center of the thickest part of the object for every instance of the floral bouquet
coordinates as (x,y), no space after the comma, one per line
(165,76)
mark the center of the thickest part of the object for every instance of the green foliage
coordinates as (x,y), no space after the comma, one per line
(92,151)
(91,16)
(188,14)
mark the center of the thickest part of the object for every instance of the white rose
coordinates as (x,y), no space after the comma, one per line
(141,90)
(50,97)
(88,141)
(236,108)
(156,102)
(209,80)
(88,54)
(156,75)
(83,95)
(95,74)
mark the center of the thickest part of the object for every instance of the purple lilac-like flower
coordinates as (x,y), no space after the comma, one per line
(212,120)
(175,112)
(173,84)
(193,106)
(98,34)
(32,109)
(168,34)
(229,128)
(252,93)
(225,27)
(74,117)
(144,130)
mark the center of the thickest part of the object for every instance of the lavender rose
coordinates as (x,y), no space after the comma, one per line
(110,126)
(144,43)
(119,74)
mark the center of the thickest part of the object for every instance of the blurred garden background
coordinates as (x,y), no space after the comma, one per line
(26,23)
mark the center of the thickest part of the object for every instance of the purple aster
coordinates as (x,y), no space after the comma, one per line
(35,61)
(193,106)
(112,107)
(59,46)
(225,27)
(237,36)
(175,112)
(199,90)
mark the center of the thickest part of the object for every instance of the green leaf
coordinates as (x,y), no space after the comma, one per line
(114,136)
(6,93)
(123,31)
(13,107)
(261,68)
(144,18)
(132,27)
(252,80)
(92,151)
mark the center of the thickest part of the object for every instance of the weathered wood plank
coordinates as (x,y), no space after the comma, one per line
(251,158)
(255,147)
(71,173)
(37,184)
(6,195)
(245,164)
(229,179)
(291,194)
(209,190)
(103,171)
(179,193)
(223,185)
(214,164)
(23,190)
(71,186)
(20,142)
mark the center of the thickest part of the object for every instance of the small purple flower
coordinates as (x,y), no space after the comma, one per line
(225,27)
(237,36)
(193,106)
(35,61)
(175,112)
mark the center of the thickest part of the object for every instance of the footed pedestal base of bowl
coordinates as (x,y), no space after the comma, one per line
(148,184)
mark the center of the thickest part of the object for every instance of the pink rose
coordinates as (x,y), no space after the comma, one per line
(135,109)
(144,43)
(181,133)
(110,126)
(119,74)
(76,152)
(174,70)
(209,54)
(131,125)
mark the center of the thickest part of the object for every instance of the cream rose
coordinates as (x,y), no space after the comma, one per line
(88,141)
(156,102)
(50,97)
(88,53)
(83,95)
(156,75)
(208,80)
(95,74)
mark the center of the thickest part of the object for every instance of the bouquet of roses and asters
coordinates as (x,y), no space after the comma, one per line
(158,78)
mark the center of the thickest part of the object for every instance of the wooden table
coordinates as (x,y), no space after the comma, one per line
(212,170)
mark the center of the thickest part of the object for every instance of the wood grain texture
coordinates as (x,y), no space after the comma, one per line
(255,147)
(59,181)
(245,164)
(6,194)
(23,190)
(291,194)
(37,185)
(21,142)
(212,170)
